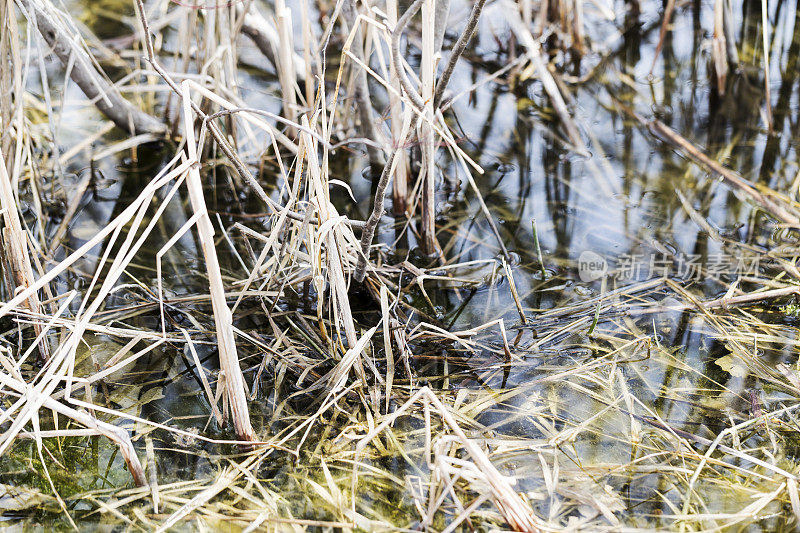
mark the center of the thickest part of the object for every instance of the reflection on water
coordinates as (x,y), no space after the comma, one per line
(627,203)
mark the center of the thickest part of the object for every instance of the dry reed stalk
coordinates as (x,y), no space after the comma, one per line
(113,228)
(308,36)
(247,114)
(9,77)
(119,436)
(427,139)
(223,481)
(61,365)
(516,511)
(15,250)
(463,472)
(426,114)
(267,39)
(152,471)
(765,41)
(228,357)
(718,47)
(579,37)
(14,239)
(671,136)
(729,301)
(414,97)
(59,371)
(286,70)
(541,18)
(417,101)
(333,237)
(400,177)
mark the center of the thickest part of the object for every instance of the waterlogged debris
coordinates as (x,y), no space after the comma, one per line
(185,440)
(19,498)
(85,230)
(596,499)
(131,399)
(733,366)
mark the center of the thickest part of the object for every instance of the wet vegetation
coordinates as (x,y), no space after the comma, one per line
(389,265)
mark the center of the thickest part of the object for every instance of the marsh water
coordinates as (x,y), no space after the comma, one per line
(625,202)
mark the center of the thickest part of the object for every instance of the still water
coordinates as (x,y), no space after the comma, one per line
(611,226)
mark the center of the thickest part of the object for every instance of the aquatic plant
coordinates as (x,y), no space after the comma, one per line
(209,320)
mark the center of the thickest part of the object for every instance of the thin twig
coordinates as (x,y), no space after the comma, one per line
(457,51)
(412,93)
(374,218)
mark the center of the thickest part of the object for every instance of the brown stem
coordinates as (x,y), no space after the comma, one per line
(457,51)
(103,94)
(374,218)
(380,194)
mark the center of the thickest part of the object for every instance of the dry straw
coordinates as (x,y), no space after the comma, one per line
(324,336)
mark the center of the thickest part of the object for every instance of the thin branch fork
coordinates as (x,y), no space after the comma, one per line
(417,102)
(380,193)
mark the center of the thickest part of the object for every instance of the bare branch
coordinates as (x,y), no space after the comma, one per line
(94,85)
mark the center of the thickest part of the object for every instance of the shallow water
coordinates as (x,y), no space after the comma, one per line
(621,202)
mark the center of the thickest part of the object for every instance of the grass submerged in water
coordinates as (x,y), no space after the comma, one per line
(491,384)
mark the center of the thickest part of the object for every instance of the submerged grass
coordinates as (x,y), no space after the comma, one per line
(199,331)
